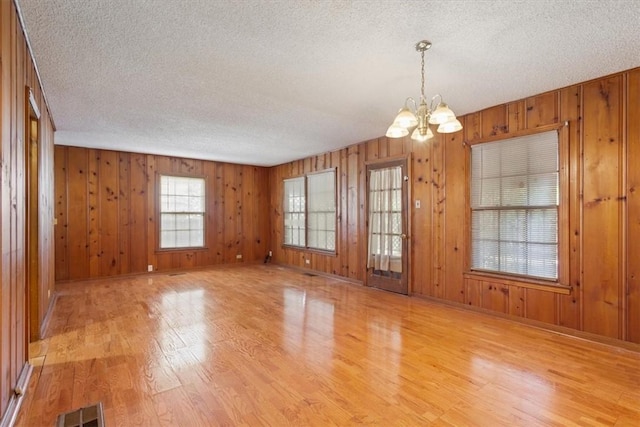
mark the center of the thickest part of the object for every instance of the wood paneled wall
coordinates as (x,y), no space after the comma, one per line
(107,220)
(599,229)
(17,73)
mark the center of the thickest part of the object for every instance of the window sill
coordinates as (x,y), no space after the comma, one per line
(521,282)
(312,250)
(173,250)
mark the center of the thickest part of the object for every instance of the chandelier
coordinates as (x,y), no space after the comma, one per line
(421,116)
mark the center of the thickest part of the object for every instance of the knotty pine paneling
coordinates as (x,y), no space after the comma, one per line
(601,251)
(436,205)
(454,192)
(569,305)
(600,230)
(422,218)
(17,327)
(494,121)
(541,110)
(632,214)
(516,116)
(106,211)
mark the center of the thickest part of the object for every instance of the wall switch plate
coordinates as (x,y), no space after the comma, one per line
(307,261)
(417,204)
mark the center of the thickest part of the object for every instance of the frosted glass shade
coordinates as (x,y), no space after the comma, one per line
(405,118)
(441,114)
(450,126)
(396,131)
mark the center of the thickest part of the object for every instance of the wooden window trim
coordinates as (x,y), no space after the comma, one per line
(306,247)
(519,281)
(158,213)
(561,284)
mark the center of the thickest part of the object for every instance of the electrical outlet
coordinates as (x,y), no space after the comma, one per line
(307,261)
(149,267)
(270,253)
(239,256)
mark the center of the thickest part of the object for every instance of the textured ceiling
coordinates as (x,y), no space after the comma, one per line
(265,82)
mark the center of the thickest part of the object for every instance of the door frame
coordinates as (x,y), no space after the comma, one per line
(32,218)
(405,162)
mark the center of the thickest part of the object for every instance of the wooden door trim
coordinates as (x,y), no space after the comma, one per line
(405,162)
(31,236)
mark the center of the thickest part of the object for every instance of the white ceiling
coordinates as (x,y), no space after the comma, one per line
(265,82)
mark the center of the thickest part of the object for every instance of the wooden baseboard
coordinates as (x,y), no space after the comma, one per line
(159,272)
(15,401)
(320,273)
(47,316)
(563,330)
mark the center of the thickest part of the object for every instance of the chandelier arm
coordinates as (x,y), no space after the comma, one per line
(415,106)
(432,104)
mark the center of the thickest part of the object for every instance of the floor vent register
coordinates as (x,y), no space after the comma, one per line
(89,416)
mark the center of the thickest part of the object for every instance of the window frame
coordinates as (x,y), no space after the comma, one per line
(561,283)
(159,212)
(306,246)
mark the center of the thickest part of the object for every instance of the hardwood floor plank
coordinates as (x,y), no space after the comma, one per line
(264,345)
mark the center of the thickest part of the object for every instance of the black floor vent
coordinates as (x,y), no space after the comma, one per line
(89,416)
(310,274)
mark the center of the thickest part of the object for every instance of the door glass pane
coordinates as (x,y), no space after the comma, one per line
(385,220)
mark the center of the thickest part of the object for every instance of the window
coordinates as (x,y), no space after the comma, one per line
(321,211)
(182,209)
(310,211)
(514,206)
(294,212)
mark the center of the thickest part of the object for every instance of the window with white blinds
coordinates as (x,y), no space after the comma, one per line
(294,212)
(321,210)
(514,206)
(182,210)
(310,211)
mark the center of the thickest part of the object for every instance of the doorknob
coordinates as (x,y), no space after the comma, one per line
(404,236)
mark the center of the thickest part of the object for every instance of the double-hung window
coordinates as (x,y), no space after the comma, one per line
(514,206)
(309,209)
(182,212)
(294,212)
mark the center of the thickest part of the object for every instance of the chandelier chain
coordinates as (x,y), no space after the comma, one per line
(422,88)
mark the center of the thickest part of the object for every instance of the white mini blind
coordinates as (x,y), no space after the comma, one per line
(321,210)
(294,211)
(514,205)
(182,210)
(310,211)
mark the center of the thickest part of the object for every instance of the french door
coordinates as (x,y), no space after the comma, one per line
(387,226)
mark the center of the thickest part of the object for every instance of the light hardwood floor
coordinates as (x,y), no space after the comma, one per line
(265,345)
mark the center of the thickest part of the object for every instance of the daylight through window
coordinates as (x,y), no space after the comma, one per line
(310,211)
(182,210)
(514,206)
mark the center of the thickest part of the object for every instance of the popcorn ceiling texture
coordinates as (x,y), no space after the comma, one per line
(265,82)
